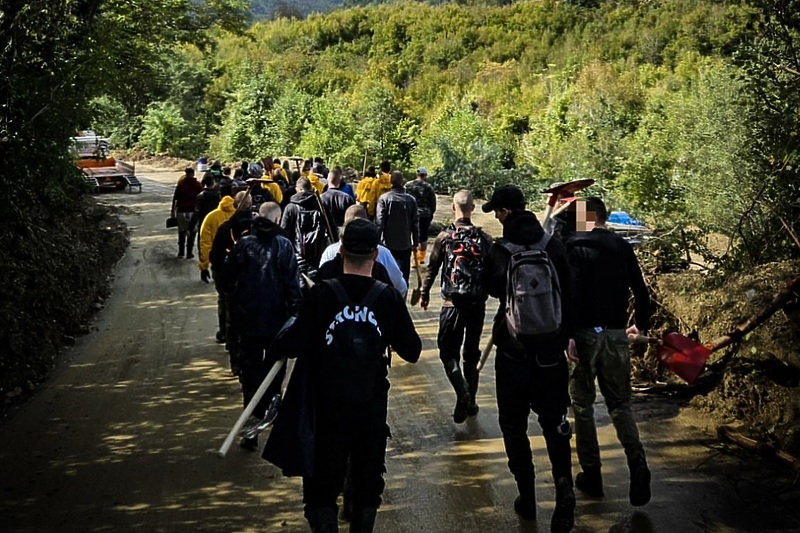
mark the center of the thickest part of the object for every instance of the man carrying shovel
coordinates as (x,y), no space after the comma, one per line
(606,271)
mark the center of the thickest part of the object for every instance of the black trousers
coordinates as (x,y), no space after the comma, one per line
(254,368)
(538,383)
(457,327)
(345,429)
(403,258)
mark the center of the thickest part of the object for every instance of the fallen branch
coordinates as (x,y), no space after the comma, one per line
(727,433)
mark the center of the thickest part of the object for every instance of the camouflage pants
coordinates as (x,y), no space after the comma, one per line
(605,356)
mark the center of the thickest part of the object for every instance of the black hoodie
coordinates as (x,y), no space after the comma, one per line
(522,227)
(267,288)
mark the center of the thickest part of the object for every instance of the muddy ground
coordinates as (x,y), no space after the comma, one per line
(118,429)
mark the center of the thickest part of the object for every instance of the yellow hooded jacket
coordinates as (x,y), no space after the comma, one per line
(363,188)
(381,185)
(209,228)
(315,182)
(274,189)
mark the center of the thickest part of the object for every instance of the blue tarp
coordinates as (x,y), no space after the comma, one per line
(621,217)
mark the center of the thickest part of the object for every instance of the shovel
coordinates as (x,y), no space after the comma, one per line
(687,358)
(416,294)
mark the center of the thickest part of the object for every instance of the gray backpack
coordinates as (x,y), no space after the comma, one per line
(533,292)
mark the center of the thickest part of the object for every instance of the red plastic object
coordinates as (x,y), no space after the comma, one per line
(683,356)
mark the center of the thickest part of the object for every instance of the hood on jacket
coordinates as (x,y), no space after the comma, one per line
(226,204)
(522,227)
(305,199)
(264,229)
(241,222)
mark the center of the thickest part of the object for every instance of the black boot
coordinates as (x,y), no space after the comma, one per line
(363,519)
(323,520)
(564,514)
(471,375)
(461,388)
(525,503)
(639,491)
(590,482)
(181,243)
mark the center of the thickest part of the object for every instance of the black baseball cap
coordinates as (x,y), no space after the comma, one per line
(505,197)
(360,237)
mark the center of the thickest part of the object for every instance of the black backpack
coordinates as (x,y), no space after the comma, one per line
(353,363)
(462,269)
(310,235)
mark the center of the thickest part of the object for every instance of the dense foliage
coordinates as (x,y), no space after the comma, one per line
(684,112)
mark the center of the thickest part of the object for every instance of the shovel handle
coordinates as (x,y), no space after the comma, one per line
(644,339)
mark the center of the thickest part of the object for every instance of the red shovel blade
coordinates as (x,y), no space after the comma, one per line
(683,356)
(566,190)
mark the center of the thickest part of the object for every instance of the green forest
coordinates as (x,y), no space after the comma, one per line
(684,112)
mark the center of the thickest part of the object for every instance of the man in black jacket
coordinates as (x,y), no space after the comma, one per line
(335,200)
(305,225)
(398,223)
(606,272)
(342,334)
(207,201)
(228,234)
(531,372)
(263,268)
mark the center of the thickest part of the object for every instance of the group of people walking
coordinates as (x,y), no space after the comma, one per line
(323,279)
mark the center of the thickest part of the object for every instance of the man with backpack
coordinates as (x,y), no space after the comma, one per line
(528,272)
(341,337)
(460,251)
(304,221)
(263,269)
(396,217)
(606,272)
(423,193)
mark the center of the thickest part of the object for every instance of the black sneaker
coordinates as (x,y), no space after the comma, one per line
(639,491)
(180,254)
(461,410)
(590,482)
(190,255)
(473,409)
(564,514)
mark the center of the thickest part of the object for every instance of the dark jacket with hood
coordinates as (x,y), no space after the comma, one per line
(207,201)
(228,234)
(522,227)
(263,267)
(289,222)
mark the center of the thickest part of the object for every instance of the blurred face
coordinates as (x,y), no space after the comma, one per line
(584,219)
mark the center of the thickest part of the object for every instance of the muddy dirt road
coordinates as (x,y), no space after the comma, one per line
(124,437)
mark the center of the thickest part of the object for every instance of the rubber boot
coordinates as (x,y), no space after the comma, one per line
(461,388)
(525,503)
(363,519)
(471,375)
(181,243)
(564,514)
(323,520)
(639,490)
